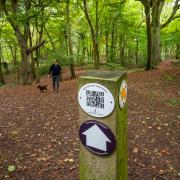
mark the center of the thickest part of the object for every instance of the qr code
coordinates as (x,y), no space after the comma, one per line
(95,99)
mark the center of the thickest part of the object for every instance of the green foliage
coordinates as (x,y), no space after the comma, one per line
(125,19)
(44,69)
(174,101)
(168,77)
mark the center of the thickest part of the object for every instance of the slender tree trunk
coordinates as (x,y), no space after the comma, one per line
(78,51)
(122,49)
(107,47)
(149,40)
(177,51)
(51,41)
(137,50)
(15,59)
(70,41)
(93,34)
(97,34)
(33,70)
(1,74)
(112,41)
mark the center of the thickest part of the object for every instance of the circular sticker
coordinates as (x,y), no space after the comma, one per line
(97,138)
(123,94)
(96,100)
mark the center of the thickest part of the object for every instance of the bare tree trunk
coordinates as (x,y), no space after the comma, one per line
(33,70)
(97,33)
(155,25)
(177,51)
(70,41)
(93,34)
(1,74)
(51,41)
(122,49)
(107,47)
(112,41)
(137,50)
(149,40)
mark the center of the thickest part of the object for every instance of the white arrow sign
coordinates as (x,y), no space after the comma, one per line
(96,138)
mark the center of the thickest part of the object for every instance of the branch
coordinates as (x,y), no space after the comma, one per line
(175,8)
(42,7)
(14,26)
(176,17)
(88,18)
(31,49)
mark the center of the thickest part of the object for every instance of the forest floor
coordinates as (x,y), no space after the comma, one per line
(39,131)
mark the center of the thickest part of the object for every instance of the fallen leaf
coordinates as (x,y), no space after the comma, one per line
(11,168)
(135,150)
(161,172)
(69,160)
(164,151)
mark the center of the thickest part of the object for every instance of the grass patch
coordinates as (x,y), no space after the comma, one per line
(174,101)
(168,77)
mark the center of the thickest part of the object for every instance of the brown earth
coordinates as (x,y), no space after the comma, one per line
(39,131)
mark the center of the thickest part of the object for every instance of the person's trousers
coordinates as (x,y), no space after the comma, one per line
(55,80)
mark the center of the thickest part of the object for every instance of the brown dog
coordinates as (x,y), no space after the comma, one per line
(42,88)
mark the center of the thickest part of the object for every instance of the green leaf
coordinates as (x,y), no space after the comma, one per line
(11,168)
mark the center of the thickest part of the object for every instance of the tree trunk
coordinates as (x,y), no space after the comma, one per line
(1,74)
(149,40)
(78,51)
(137,50)
(122,49)
(15,59)
(155,25)
(107,47)
(112,41)
(25,66)
(33,70)
(51,41)
(97,34)
(93,34)
(69,39)
(177,51)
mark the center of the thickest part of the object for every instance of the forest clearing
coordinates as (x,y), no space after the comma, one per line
(59,121)
(39,131)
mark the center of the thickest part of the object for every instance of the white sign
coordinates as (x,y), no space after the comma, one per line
(123,94)
(96,100)
(96,138)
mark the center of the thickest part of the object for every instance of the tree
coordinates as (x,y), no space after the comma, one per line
(153,9)
(94,32)
(69,38)
(1,73)
(19,13)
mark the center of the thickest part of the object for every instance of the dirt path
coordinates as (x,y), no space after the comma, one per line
(39,131)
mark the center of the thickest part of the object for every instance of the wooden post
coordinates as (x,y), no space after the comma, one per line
(95,162)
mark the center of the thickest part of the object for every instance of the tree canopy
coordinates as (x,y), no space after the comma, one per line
(127,32)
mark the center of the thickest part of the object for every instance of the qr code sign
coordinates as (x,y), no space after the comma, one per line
(95,99)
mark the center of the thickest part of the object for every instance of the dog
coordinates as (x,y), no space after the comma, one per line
(42,88)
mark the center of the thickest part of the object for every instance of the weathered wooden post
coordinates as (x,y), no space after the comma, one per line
(103,131)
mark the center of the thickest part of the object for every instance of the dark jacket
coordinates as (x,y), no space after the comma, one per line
(55,69)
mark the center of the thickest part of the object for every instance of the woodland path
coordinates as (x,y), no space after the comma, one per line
(39,131)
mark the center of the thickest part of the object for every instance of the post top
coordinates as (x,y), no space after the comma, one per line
(103,75)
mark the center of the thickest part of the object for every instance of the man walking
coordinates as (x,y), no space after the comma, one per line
(55,70)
